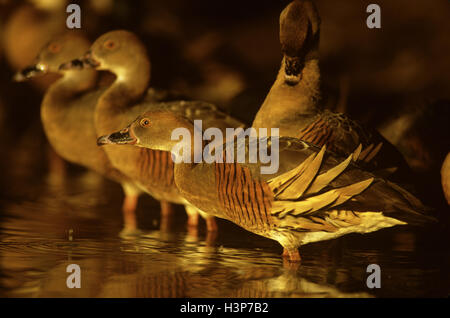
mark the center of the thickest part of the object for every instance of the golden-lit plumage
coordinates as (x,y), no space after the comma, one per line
(294,102)
(67,114)
(122,53)
(28,28)
(313,196)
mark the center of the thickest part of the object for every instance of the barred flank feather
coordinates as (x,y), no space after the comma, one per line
(156,166)
(246,202)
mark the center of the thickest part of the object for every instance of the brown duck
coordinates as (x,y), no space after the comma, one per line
(123,54)
(313,196)
(28,28)
(293,104)
(67,114)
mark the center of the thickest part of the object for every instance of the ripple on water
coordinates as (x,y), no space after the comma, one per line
(42,232)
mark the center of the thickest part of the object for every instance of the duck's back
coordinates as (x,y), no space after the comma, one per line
(241,193)
(343,135)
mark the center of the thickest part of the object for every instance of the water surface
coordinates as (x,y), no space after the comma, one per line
(47,225)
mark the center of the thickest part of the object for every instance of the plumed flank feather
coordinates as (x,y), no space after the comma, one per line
(324,179)
(283,181)
(332,224)
(308,205)
(304,179)
(365,152)
(328,199)
(307,225)
(301,181)
(357,152)
(342,218)
(347,192)
(372,154)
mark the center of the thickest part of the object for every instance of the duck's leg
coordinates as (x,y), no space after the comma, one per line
(166,215)
(211,237)
(192,214)
(211,224)
(210,220)
(129,210)
(166,209)
(292,254)
(192,232)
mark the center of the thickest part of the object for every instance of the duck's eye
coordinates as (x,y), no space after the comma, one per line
(109,44)
(54,47)
(145,122)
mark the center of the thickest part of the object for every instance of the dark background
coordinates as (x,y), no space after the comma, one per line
(227,52)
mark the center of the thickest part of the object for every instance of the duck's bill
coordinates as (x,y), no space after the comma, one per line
(87,61)
(122,137)
(29,72)
(292,70)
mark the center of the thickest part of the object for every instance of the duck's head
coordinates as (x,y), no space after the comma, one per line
(154,130)
(120,52)
(299,37)
(62,48)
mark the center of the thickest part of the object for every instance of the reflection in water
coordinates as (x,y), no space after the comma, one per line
(46,227)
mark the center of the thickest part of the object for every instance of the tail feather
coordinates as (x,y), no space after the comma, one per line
(325,178)
(302,180)
(280,183)
(299,192)
(329,199)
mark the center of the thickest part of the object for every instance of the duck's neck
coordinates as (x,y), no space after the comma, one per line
(129,88)
(61,93)
(286,101)
(191,143)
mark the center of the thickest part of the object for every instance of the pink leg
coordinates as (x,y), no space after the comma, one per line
(129,211)
(211,224)
(166,215)
(192,220)
(166,209)
(211,237)
(192,214)
(292,255)
(192,231)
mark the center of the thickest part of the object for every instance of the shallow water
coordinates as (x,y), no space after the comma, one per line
(47,225)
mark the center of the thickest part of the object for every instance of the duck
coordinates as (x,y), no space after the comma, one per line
(122,53)
(28,28)
(67,114)
(314,194)
(295,105)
